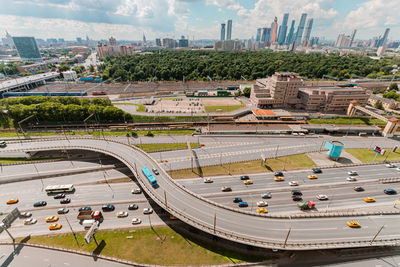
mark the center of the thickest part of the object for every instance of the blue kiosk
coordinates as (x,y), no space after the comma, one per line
(334,149)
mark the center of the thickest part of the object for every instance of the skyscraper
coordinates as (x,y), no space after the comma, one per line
(8,41)
(222,31)
(258,36)
(382,41)
(283,31)
(274,27)
(290,36)
(307,33)
(300,29)
(266,36)
(353,34)
(229,30)
(27,49)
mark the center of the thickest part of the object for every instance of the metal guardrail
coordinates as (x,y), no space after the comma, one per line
(276,244)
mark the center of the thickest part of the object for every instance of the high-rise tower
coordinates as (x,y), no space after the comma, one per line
(353,34)
(300,29)
(274,27)
(383,40)
(307,33)
(290,36)
(258,36)
(283,31)
(222,31)
(229,30)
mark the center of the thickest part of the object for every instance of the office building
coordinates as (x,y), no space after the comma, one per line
(343,40)
(222,32)
(229,30)
(112,41)
(353,34)
(169,43)
(79,40)
(258,36)
(33,68)
(8,41)
(69,75)
(283,29)
(158,42)
(274,29)
(266,36)
(300,29)
(290,36)
(27,49)
(228,45)
(307,33)
(381,51)
(184,43)
(382,41)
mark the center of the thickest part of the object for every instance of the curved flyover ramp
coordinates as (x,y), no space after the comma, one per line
(267,231)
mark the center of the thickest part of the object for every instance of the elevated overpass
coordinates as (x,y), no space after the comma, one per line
(26,83)
(300,232)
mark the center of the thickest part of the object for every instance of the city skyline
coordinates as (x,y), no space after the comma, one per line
(128,19)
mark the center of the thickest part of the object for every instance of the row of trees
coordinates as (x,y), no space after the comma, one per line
(222,65)
(31,100)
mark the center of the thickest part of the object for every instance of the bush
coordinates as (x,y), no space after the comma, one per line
(149,133)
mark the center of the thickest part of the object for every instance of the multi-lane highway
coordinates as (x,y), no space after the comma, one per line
(256,230)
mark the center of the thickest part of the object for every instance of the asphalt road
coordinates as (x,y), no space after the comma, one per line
(302,230)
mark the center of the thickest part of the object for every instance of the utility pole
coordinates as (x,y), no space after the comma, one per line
(287,237)
(276,152)
(165,199)
(373,239)
(215,221)
(284,164)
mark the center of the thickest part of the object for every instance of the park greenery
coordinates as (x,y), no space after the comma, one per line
(223,65)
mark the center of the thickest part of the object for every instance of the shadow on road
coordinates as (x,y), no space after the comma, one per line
(16,251)
(98,250)
(197,165)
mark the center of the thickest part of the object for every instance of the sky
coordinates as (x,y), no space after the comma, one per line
(195,19)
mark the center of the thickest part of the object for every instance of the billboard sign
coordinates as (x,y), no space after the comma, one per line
(92,230)
(379,150)
(12,216)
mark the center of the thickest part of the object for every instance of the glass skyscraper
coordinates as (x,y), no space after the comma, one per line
(27,49)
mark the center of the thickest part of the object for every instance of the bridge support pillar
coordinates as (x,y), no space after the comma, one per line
(391,127)
(351,110)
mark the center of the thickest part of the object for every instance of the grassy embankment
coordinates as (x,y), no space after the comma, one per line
(348,121)
(367,155)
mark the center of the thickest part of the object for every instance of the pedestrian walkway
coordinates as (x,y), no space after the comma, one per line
(322,159)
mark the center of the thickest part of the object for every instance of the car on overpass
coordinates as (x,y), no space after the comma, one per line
(262,210)
(369,199)
(243,204)
(316,170)
(25,214)
(279,179)
(244,177)
(322,197)
(55,226)
(313,176)
(293,183)
(248,182)
(40,204)
(353,224)
(390,191)
(226,189)
(155,171)
(12,201)
(30,221)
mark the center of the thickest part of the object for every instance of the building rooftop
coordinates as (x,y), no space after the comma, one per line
(263,112)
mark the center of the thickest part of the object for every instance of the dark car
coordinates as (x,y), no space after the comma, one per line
(358,189)
(244,177)
(226,189)
(243,204)
(297,197)
(237,200)
(155,171)
(65,201)
(40,204)
(316,170)
(297,193)
(85,208)
(63,211)
(278,173)
(108,207)
(58,196)
(133,207)
(266,195)
(390,191)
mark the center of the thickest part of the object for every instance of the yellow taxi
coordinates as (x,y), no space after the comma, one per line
(279,178)
(313,176)
(246,182)
(52,219)
(12,201)
(369,199)
(55,226)
(262,210)
(353,224)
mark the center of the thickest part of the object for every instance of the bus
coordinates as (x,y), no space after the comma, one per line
(149,176)
(56,189)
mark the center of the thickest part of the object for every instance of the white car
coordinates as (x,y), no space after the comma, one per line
(122,214)
(25,214)
(352,173)
(136,221)
(293,183)
(351,179)
(398,169)
(147,210)
(262,204)
(136,190)
(30,221)
(322,197)
(207,180)
(390,165)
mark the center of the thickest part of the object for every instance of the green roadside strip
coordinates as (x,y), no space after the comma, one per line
(292,162)
(368,155)
(157,245)
(22,160)
(222,109)
(348,121)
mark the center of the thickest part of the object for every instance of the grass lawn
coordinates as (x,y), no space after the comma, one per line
(293,162)
(141,108)
(161,147)
(366,155)
(347,121)
(18,160)
(161,246)
(213,109)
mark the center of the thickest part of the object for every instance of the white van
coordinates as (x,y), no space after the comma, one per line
(87,223)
